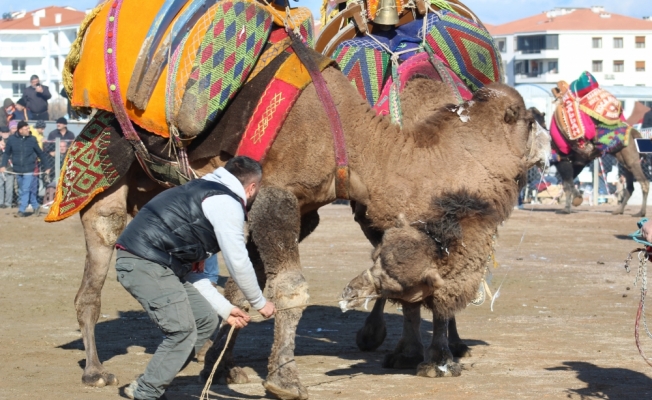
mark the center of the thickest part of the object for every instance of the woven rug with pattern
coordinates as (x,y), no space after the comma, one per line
(209,65)
(457,51)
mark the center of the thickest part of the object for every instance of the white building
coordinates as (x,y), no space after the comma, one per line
(35,43)
(562,43)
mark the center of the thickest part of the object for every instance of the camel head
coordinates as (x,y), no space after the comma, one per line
(416,259)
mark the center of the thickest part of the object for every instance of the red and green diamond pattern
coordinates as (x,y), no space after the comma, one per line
(225,57)
(467,48)
(364,67)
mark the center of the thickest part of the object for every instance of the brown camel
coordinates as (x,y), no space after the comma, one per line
(571,166)
(390,171)
(444,273)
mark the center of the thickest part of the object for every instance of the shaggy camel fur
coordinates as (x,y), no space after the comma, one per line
(572,165)
(389,170)
(445,271)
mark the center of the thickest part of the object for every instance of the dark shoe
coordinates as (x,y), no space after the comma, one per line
(20,214)
(3,206)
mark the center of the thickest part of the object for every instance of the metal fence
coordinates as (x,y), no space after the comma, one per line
(599,170)
(37,192)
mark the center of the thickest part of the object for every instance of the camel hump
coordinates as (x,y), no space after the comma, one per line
(208,64)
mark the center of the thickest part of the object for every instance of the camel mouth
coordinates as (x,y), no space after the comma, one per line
(358,293)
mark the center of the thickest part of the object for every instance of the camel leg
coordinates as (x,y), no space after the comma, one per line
(103,221)
(455,343)
(374,331)
(275,228)
(439,359)
(629,189)
(409,350)
(565,169)
(228,372)
(631,160)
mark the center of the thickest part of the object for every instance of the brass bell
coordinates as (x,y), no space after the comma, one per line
(386,14)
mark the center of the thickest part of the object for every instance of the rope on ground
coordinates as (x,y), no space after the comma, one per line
(209,381)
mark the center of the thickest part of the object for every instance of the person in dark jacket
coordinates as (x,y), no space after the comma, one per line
(647,120)
(21,111)
(7,112)
(173,235)
(62,131)
(22,150)
(36,97)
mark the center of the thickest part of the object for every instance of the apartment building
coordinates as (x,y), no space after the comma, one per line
(35,43)
(560,44)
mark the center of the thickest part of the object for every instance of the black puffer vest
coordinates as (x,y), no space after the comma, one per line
(172,230)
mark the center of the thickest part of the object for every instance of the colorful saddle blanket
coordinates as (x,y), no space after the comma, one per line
(100,156)
(209,65)
(588,119)
(455,50)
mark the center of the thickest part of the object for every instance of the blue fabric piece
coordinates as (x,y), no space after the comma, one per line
(211,268)
(405,37)
(638,235)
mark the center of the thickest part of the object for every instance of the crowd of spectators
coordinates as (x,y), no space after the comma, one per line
(27,156)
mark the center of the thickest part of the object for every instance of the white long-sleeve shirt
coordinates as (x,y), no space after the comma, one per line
(227,217)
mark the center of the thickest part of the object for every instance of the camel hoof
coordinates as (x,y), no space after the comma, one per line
(286,392)
(432,370)
(639,215)
(235,375)
(370,337)
(565,211)
(459,349)
(617,212)
(100,379)
(402,361)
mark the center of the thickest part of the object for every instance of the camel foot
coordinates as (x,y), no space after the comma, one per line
(285,391)
(233,376)
(402,361)
(565,211)
(617,212)
(639,215)
(370,337)
(459,349)
(432,370)
(99,379)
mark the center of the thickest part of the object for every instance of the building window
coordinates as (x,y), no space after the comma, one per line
(56,37)
(619,66)
(553,67)
(597,66)
(536,43)
(640,66)
(646,103)
(17,66)
(17,89)
(597,42)
(640,42)
(618,43)
(501,44)
(56,87)
(56,62)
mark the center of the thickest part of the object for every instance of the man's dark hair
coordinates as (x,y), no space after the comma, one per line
(244,168)
(21,124)
(33,77)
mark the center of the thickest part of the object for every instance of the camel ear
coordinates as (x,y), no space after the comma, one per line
(511,114)
(432,278)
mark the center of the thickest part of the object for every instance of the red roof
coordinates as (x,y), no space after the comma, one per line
(68,17)
(582,19)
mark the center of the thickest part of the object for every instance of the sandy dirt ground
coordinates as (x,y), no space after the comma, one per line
(563,326)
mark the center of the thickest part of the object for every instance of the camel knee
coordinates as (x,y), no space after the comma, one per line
(109,226)
(289,289)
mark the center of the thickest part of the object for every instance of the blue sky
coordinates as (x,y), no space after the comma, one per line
(490,11)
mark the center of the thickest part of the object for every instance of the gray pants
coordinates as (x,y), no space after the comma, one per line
(178,309)
(6,189)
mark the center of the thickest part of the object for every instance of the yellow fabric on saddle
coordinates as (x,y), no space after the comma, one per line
(89,78)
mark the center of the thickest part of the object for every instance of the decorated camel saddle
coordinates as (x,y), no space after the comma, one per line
(178,74)
(438,39)
(587,119)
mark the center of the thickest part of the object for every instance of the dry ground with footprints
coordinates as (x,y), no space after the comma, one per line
(563,326)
